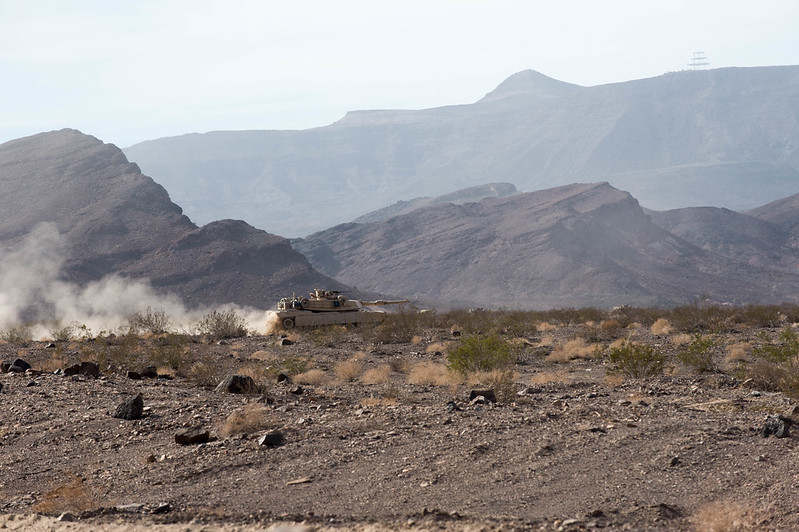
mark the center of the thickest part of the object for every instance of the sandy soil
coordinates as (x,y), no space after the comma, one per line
(568,448)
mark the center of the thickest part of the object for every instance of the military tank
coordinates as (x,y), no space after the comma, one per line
(329,307)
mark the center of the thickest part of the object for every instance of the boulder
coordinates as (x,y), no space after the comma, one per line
(130,409)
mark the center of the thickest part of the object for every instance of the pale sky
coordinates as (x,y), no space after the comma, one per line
(129,71)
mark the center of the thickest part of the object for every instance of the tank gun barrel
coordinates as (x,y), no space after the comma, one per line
(385,302)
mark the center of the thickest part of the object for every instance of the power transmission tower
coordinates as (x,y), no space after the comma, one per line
(698,61)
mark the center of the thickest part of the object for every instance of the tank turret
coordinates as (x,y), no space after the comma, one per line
(328,307)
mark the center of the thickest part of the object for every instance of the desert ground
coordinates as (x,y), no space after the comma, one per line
(364,428)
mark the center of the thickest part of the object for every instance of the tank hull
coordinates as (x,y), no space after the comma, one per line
(289,319)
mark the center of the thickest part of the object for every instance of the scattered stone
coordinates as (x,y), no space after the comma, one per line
(304,480)
(487,394)
(271,439)
(285,341)
(67,517)
(282,377)
(296,390)
(778,426)
(1,386)
(90,369)
(4,366)
(130,408)
(237,384)
(32,383)
(452,406)
(133,508)
(51,345)
(161,508)
(192,435)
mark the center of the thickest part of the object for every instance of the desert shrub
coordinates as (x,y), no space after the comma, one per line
(725,517)
(378,375)
(20,335)
(785,349)
(636,360)
(328,336)
(516,323)
(222,324)
(205,374)
(349,370)
(112,353)
(575,348)
(171,350)
(312,377)
(398,327)
(63,334)
(429,373)
(776,365)
(290,365)
(698,355)
(481,353)
(153,321)
(251,418)
(661,326)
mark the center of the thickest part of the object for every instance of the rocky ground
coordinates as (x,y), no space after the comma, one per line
(378,437)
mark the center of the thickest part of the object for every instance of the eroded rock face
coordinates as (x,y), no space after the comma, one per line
(106,217)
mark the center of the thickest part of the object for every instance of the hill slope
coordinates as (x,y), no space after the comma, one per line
(725,137)
(113,219)
(576,245)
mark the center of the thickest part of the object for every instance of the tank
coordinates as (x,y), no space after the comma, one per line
(329,307)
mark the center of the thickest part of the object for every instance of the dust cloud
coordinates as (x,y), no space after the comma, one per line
(32,293)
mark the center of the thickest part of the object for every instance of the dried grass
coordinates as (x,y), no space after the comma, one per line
(545,326)
(661,327)
(430,373)
(378,375)
(680,339)
(737,353)
(546,377)
(312,377)
(349,370)
(251,418)
(439,347)
(573,349)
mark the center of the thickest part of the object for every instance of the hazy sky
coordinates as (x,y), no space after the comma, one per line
(128,71)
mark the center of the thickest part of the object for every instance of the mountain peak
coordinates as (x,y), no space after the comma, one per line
(530,82)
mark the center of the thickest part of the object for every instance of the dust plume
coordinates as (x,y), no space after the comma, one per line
(32,292)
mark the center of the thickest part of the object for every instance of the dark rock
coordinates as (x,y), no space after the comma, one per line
(488,394)
(296,390)
(271,439)
(1,386)
(4,366)
(131,408)
(237,384)
(282,377)
(778,426)
(134,375)
(21,364)
(452,406)
(51,345)
(90,369)
(285,341)
(192,435)
(32,383)
(67,517)
(150,372)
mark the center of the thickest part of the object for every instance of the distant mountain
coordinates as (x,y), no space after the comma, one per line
(113,219)
(467,195)
(726,137)
(575,245)
(739,236)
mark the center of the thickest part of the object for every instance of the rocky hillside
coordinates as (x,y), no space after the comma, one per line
(576,245)
(724,137)
(114,220)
